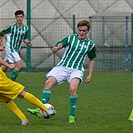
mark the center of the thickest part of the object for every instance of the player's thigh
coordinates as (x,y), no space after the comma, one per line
(3,98)
(75,74)
(59,73)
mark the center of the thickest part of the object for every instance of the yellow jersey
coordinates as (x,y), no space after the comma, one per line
(8,88)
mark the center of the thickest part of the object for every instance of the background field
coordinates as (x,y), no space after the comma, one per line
(103,107)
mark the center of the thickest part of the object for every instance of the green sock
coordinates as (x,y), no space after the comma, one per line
(14,75)
(73,104)
(46,96)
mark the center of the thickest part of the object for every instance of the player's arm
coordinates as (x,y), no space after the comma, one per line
(56,48)
(28,42)
(2,33)
(91,56)
(26,38)
(1,45)
(91,67)
(60,44)
(2,62)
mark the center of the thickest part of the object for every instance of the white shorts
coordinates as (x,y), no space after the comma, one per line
(12,57)
(62,74)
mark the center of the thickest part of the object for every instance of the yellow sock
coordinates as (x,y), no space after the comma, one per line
(32,99)
(13,107)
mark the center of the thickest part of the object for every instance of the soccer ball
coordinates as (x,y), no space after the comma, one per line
(43,112)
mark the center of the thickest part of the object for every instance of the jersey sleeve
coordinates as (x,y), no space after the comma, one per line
(63,41)
(92,53)
(56,44)
(26,33)
(5,31)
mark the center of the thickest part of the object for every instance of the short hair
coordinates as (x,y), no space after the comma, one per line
(84,23)
(18,12)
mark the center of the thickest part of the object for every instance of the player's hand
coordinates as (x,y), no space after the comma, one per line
(88,79)
(11,66)
(55,49)
(1,48)
(30,43)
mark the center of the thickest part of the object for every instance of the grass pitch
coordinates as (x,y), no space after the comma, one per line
(104,106)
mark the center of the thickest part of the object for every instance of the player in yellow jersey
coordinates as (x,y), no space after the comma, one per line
(10,90)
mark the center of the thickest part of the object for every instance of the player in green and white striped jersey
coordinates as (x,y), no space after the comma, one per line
(76,51)
(15,33)
(70,68)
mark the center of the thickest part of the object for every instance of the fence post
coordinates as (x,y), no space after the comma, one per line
(74,31)
(90,20)
(103,42)
(132,40)
(127,44)
(28,53)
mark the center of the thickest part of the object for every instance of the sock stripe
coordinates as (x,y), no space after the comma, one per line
(73,96)
(47,91)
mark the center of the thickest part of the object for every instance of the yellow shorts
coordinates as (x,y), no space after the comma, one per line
(8,88)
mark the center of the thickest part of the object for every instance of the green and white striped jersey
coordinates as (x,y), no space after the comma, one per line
(15,35)
(76,51)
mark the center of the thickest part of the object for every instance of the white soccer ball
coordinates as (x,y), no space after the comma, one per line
(43,112)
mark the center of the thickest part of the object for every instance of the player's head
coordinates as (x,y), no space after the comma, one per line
(19,15)
(83,28)
(84,23)
(19,12)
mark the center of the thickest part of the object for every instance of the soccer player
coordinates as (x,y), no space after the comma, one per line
(9,90)
(70,68)
(15,33)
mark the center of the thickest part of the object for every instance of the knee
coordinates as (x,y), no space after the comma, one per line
(22,94)
(8,101)
(73,90)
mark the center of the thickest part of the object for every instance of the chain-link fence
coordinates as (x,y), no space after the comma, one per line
(51,21)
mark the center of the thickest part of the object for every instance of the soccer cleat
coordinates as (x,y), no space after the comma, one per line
(71,119)
(25,122)
(35,112)
(130,117)
(51,112)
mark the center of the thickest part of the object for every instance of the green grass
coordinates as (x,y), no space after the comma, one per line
(104,106)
